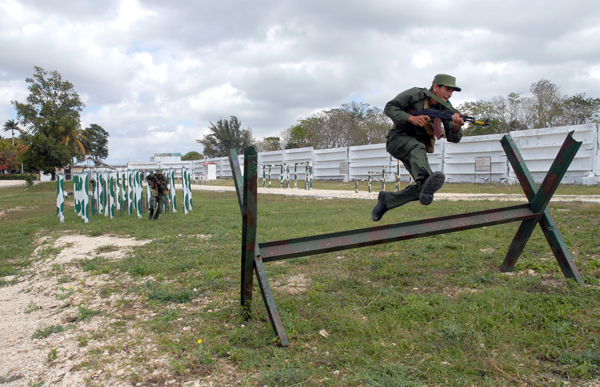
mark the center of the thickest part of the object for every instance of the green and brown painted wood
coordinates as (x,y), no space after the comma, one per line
(247,195)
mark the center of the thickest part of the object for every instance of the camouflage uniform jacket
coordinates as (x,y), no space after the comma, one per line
(158,186)
(415,99)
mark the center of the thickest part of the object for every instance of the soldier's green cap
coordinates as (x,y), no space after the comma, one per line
(159,171)
(445,80)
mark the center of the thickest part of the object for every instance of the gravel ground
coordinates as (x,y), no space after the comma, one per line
(46,297)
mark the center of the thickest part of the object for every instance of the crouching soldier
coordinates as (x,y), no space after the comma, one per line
(159,187)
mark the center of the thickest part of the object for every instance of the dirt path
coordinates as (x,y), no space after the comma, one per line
(322,193)
(12,183)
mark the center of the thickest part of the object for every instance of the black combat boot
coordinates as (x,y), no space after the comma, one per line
(430,186)
(150,213)
(380,207)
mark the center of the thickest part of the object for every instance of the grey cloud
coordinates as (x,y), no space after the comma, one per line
(83,10)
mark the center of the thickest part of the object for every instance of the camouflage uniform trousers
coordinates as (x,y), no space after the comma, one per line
(413,155)
(157,203)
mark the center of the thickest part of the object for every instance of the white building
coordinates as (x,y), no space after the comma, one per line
(166,157)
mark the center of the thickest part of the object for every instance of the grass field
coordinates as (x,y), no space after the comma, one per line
(427,312)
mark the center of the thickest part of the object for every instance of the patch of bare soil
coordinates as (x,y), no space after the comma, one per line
(47,300)
(18,208)
(293,285)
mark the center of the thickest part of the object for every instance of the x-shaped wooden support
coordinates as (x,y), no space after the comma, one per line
(538,201)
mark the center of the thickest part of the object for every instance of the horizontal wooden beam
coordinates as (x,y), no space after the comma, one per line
(317,244)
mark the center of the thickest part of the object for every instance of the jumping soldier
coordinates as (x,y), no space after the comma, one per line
(413,136)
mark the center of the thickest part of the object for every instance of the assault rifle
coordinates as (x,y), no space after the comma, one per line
(447,116)
(157,184)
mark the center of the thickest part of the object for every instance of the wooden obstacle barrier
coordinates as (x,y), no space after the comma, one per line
(383,174)
(254,254)
(284,175)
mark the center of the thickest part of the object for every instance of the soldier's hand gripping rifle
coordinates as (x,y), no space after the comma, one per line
(156,184)
(440,115)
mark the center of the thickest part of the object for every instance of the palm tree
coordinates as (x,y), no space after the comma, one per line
(12,126)
(75,138)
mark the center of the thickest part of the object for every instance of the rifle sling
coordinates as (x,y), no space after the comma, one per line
(433,133)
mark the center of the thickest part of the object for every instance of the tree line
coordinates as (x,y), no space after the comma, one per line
(546,108)
(50,132)
(355,123)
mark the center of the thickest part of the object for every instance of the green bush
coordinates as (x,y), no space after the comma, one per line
(17,176)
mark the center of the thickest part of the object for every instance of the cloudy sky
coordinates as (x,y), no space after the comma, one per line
(155,73)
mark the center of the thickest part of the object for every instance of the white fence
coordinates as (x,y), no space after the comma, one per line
(538,147)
